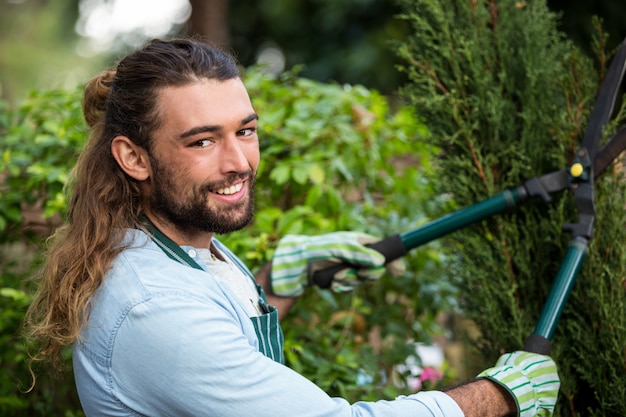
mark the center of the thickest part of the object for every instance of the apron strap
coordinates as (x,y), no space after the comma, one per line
(168,246)
(266,326)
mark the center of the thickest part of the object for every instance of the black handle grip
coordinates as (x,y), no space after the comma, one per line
(537,344)
(391,247)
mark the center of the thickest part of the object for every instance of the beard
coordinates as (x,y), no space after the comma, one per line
(189,210)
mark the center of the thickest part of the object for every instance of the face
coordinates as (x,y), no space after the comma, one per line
(204,157)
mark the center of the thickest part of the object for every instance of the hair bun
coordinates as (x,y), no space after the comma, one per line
(95,97)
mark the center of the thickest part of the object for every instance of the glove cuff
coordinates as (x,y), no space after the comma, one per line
(518,384)
(507,388)
(288,275)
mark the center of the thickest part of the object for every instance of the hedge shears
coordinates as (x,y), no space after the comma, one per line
(589,162)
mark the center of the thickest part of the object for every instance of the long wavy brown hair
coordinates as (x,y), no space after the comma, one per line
(103,199)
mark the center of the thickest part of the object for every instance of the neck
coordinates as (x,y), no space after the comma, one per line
(181,237)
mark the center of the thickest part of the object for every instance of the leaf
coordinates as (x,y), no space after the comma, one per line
(300,174)
(316,173)
(13,294)
(280,174)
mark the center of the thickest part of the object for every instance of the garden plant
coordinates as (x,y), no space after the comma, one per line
(507,97)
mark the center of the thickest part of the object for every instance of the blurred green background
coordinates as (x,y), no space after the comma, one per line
(57,43)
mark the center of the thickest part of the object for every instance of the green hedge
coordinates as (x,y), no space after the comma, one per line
(507,97)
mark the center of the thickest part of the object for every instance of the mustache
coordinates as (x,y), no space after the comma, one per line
(228,181)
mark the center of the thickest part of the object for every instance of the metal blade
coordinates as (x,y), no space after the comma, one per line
(603,108)
(610,151)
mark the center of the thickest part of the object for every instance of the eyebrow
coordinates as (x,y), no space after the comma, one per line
(215,128)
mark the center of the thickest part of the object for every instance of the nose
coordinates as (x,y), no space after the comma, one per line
(234,155)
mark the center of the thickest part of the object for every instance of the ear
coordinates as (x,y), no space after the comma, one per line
(131,157)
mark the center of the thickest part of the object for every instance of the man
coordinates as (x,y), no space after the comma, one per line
(162,318)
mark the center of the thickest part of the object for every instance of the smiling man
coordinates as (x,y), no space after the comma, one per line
(199,175)
(162,318)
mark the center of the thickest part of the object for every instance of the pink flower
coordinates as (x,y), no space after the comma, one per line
(431,374)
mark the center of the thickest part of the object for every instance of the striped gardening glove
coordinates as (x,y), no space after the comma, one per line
(531,378)
(298,257)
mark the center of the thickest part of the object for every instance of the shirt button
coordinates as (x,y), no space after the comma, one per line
(192,253)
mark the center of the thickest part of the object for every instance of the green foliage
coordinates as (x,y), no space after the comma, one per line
(506,98)
(344,38)
(40,144)
(55,394)
(40,139)
(338,158)
(596,334)
(12,307)
(333,158)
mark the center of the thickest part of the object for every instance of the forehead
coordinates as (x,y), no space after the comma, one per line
(211,102)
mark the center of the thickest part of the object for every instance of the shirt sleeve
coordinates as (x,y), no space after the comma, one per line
(178,355)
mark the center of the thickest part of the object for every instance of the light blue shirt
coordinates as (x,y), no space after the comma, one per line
(164,339)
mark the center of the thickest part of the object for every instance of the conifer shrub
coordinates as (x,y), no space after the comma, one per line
(506,98)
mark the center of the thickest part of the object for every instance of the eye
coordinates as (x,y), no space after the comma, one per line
(249,131)
(202,143)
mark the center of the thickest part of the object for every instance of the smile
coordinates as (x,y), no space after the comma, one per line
(230,190)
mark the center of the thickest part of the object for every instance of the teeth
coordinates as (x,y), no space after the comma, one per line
(230,190)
